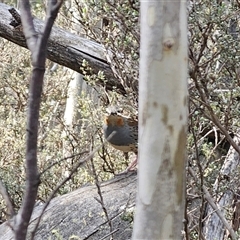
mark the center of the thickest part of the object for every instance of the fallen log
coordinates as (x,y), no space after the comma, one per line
(64,48)
(79,214)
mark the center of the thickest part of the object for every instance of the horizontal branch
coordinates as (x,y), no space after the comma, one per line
(64,48)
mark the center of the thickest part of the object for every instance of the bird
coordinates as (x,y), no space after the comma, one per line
(121,132)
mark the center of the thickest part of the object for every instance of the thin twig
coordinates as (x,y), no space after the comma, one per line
(37,44)
(201,178)
(61,160)
(214,118)
(101,201)
(109,234)
(112,218)
(63,182)
(210,200)
(7,199)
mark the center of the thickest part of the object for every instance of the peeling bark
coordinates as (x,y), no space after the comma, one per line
(162,120)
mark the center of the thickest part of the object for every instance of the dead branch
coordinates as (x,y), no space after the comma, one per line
(38,47)
(64,48)
(77,214)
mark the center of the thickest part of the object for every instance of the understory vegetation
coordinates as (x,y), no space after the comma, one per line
(214,95)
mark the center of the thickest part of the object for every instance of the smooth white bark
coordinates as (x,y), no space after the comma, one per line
(162,119)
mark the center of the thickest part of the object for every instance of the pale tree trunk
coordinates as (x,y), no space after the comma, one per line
(76,88)
(72,113)
(77,85)
(162,120)
(74,92)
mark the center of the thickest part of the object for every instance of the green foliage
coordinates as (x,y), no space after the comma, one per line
(214,98)
(214,90)
(56,140)
(128,215)
(115,25)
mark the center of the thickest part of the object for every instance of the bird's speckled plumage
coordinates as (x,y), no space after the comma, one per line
(126,131)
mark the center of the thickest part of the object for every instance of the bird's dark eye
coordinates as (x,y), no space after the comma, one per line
(119,110)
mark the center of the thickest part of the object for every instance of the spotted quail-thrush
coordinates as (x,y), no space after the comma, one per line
(125,133)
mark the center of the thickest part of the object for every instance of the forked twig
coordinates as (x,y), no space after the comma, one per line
(62,183)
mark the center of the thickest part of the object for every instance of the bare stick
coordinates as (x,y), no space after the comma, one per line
(101,201)
(38,47)
(61,160)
